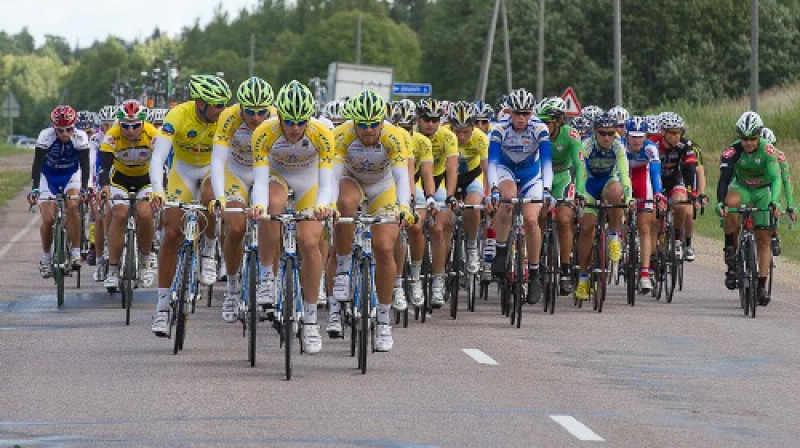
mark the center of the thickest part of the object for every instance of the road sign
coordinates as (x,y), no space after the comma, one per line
(411,89)
(10,106)
(573,106)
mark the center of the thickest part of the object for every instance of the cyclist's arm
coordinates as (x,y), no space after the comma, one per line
(787,180)
(83,161)
(576,152)
(494,158)
(106,161)
(654,167)
(426,173)
(161,149)
(38,162)
(219,157)
(776,182)
(623,171)
(400,174)
(726,170)
(688,167)
(261,186)
(545,156)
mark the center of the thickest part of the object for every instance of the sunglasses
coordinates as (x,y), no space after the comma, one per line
(482,121)
(673,131)
(430,119)
(295,122)
(217,105)
(259,112)
(130,125)
(620,126)
(523,113)
(66,129)
(748,139)
(368,124)
(606,133)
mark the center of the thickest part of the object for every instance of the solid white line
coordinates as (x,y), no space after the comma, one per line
(17,237)
(479,356)
(576,428)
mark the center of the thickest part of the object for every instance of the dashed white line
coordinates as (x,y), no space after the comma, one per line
(479,356)
(17,237)
(576,428)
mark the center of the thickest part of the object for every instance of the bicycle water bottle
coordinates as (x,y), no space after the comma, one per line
(490,248)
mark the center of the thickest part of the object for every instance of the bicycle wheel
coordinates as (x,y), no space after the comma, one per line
(741,278)
(426,277)
(752,267)
(454,277)
(252,307)
(671,274)
(183,293)
(287,311)
(403,315)
(59,261)
(128,273)
(519,241)
(601,266)
(631,265)
(365,297)
(551,268)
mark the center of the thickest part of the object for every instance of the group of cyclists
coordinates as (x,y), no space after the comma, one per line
(416,161)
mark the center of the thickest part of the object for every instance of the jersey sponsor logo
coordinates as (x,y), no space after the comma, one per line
(574,134)
(781,157)
(756,181)
(770,149)
(728,153)
(191,134)
(168,129)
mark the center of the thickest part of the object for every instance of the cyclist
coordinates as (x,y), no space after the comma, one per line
(124,164)
(444,144)
(97,229)
(645,174)
(294,151)
(749,175)
(60,164)
(568,178)
(473,150)
(421,153)
(621,115)
(678,170)
(156,116)
(607,181)
(583,126)
(786,177)
(188,130)
(520,165)
(87,122)
(373,165)
(232,178)
(484,116)
(333,111)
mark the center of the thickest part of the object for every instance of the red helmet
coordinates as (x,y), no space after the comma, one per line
(63,116)
(131,110)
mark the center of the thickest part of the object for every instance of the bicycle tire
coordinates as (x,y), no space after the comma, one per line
(672,264)
(519,242)
(407,290)
(128,273)
(426,279)
(455,269)
(631,265)
(59,261)
(287,312)
(363,313)
(252,307)
(753,277)
(183,290)
(602,264)
(551,267)
(740,277)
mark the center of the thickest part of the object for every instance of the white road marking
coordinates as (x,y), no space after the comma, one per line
(17,237)
(479,356)
(576,428)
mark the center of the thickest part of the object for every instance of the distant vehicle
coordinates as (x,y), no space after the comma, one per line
(26,142)
(14,137)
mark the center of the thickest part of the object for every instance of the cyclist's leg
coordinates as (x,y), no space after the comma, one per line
(472,221)
(644,225)
(502,218)
(682,211)
(73,216)
(350,195)
(441,232)
(145,227)
(761,198)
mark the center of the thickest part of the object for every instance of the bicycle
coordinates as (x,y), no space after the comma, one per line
(747,257)
(600,263)
(61,262)
(550,260)
(129,261)
(250,269)
(185,282)
(457,262)
(360,313)
(288,318)
(667,261)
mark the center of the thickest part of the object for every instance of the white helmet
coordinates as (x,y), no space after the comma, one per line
(620,113)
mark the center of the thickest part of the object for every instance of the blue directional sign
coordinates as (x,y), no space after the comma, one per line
(411,89)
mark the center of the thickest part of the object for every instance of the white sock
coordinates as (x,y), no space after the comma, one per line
(334,305)
(383,313)
(343,263)
(416,268)
(209,246)
(310,313)
(472,244)
(76,253)
(47,256)
(234,283)
(163,299)
(398,281)
(266,272)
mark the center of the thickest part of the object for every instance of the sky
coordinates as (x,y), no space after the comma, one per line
(81,22)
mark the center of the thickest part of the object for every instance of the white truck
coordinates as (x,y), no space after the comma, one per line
(351,79)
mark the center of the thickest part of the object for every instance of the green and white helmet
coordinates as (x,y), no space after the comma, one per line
(295,101)
(768,135)
(749,125)
(255,92)
(367,106)
(551,108)
(209,88)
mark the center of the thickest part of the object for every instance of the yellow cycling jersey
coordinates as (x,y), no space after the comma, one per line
(370,163)
(421,150)
(473,152)
(232,132)
(314,148)
(443,145)
(130,158)
(191,138)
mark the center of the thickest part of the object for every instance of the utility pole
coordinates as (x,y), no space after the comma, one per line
(754,55)
(252,52)
(617,53)
(540,55)
(487,55)
(507,47)
(358,40)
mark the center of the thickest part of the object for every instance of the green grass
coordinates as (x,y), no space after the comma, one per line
(11,150)
(712,127)
(10,184)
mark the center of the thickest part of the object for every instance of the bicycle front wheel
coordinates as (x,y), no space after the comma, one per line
(752,271)
(128,273)
(454,276)
(59,262)
(183,294)
(364,314)
(287,312)
(252,307)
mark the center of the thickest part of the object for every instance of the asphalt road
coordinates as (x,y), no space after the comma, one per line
(692,373)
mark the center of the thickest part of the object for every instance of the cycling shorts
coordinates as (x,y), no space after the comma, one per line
(304,182)
(563,185)
(185,182)
(48,188)
(642,187)
(754,197)
(595,185)
(121,184)
(238,184)
(529,186)
(381,196)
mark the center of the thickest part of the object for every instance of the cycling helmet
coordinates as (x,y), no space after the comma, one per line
(403,113)
(157,115)
(295,101)
(636,126)
(521,99)
(671,120)
(131,110)
(749,125)
(551,108)
(209,88)
(429,107)
(84,120)
(605,120)
(582,124)
(620,113)
(63,116)
(333,110)
(484,111)
(107,114)
(591,112)
(766,133)
(653,124)
(367,106)
(462,114)
(255,92)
